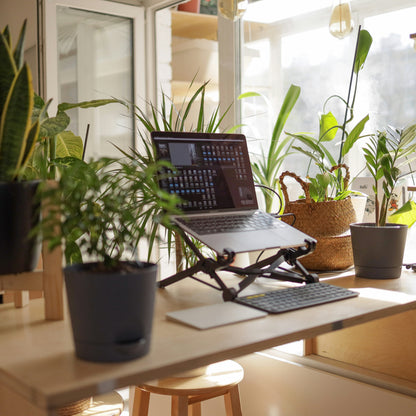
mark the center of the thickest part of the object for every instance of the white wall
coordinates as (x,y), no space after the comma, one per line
(13,13)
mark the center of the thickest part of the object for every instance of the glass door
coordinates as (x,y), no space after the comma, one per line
(94,50)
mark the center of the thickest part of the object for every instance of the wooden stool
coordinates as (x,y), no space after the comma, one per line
(219,379)
(110,404)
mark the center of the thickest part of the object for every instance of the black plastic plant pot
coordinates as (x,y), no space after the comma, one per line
(111,312)
(378,251)
(19,213)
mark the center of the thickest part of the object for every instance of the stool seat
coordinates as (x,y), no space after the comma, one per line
(219,379)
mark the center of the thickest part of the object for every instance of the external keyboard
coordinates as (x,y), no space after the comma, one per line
(289,299)
(238,222)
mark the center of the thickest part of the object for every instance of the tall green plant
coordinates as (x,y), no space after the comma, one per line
(327,183)
(18,133)
(266,168)
(387,154)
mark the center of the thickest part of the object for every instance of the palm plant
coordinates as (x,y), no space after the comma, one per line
(386,155)
(170,117)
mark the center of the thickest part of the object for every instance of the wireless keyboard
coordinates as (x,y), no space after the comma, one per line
(289,299)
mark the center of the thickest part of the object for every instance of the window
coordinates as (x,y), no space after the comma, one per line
(293,46)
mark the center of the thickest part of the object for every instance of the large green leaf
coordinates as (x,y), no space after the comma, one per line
(364,44)
(328,127)
(14,124)
(354,135)
(68,144)
(7,70)
(405,215)
(289,102)
(54,125)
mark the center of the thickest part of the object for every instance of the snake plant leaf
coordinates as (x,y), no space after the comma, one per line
(7,70)
(405,215)
(68,144)
(328,127)
(364,44)
(18,53)
(7,36)
(31,141)
(15,124)
(354,135)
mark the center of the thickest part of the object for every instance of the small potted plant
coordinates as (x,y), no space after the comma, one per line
(378,247)
(101,210)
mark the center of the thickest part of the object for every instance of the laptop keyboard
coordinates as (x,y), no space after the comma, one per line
(232,223)
(289,299)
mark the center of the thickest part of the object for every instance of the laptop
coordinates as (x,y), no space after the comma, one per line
(213,177)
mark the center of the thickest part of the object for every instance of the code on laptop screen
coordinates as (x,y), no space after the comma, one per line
(212,171)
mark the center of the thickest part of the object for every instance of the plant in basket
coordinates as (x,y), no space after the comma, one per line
(325,211)
(102,210)
(378,247)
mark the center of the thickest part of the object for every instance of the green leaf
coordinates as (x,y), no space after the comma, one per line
(328,127)
(364,45)
(89,104)
(68,144)
(54,125)
(15,124)
(248,94)
(7,70)
(354,135)
(19,49)
(405,215)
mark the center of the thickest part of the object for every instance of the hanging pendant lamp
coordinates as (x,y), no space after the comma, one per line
(232,9)
(340,23)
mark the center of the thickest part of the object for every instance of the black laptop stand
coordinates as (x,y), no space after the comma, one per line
(269,267)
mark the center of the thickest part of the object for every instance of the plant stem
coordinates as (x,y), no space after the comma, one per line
(348,97)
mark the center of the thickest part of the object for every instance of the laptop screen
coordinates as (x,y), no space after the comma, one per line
(212,170)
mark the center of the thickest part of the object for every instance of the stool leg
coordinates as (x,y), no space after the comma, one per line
(179,406)
(232,402)
(195,409)
(140,403)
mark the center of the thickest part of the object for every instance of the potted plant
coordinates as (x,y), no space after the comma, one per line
(101,210)
(18,136)
(325,210)
(378,247)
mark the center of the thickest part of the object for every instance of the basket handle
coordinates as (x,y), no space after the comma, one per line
(303,184)
(347,173)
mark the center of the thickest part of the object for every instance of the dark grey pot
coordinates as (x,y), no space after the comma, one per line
(111,313)
(19,213)
(378,251)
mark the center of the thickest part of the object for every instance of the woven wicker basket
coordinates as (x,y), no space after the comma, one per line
(331,253)
(328,222)
(318,219)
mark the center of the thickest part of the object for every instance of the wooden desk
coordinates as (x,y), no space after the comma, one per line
(39,372)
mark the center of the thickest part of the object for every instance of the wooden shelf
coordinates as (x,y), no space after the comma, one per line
(194,25)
